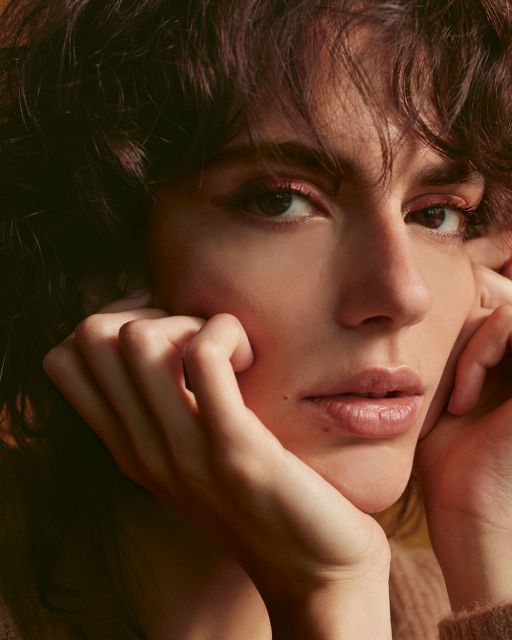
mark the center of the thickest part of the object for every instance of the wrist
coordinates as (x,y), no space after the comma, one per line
(337,612)
(476,568)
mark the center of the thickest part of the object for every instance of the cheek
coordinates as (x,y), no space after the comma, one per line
(203,280)
(267,282)
(451,282)
(448,331)
(457,300)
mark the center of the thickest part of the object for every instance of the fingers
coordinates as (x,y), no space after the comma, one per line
(136,358)
(494,252)
(97,340)
(492,267)
(204,453)
(494,290)
(90,371)
(67,369)
(211,358)
(153,350)
(486,349)
(122,370)
(153,353)
(194,433)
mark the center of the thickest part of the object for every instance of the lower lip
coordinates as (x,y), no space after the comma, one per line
(371,417)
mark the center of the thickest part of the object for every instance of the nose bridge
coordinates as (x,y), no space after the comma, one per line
(386,283)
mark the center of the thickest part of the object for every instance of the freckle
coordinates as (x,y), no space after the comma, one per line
(327,429)
(286,397)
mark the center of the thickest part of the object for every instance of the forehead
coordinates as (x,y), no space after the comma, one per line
(344,137)
(346,109)
(349,112)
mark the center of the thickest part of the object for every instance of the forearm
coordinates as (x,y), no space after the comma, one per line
(360,612)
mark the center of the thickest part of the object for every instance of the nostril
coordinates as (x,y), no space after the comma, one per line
(378,319)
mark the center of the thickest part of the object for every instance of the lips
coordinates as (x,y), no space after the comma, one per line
(375,403)
(384,380)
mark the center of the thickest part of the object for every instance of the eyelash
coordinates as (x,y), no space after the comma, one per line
(469,214)
(473,224)
(241,197)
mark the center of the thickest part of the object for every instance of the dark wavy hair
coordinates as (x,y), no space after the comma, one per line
(102,100)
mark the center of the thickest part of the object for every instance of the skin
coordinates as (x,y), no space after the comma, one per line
(263,315)
(314,307)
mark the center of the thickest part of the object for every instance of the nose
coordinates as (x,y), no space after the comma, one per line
(385,287)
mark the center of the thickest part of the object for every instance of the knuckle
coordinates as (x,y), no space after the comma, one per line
(51,362)
(95,328)
(59,359)
(138,332)
(227,319)
(202,349)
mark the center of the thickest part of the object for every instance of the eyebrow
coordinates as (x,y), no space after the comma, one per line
(283,152)
(450,172)
(336,165)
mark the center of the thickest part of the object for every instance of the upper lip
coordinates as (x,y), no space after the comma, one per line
(402,380)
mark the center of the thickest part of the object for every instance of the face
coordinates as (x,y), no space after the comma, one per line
(345,287)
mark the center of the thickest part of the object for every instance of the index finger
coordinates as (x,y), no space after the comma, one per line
(494,252)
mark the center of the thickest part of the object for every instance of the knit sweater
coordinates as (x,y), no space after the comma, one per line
(420,609)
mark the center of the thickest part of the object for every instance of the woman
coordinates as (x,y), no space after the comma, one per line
(295,186)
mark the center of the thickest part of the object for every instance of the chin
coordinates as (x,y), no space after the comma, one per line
(372,479)
(376,504)
(372,499)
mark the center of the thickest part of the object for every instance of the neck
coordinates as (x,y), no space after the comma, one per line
(183,585)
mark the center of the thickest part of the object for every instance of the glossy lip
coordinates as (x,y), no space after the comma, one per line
(365,417)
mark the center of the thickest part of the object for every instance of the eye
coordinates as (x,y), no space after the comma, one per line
(283,201)
(445,219)
(277,204)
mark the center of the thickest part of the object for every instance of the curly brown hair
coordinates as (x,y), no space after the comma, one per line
(101,100)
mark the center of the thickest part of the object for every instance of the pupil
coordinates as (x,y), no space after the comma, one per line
(434,217)
(274,204)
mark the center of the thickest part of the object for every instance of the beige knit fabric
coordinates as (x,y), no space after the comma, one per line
(418,596)
(418,603)
(420,609)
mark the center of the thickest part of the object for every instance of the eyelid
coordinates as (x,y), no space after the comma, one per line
(268,185)
(438,199)
(457,203)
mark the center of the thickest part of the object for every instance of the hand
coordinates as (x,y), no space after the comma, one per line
(465,462)
(199,451)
